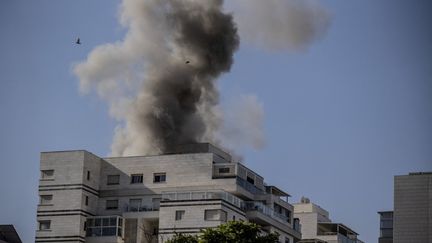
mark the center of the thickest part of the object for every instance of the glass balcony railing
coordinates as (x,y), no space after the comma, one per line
(260,207)
(201,195)
(104,226)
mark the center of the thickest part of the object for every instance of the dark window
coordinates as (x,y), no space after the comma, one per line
(215,215)
(159,177)
(287,240)
(179,214)
(111,204)
(136,178)
(88,175)
(250,180)
(46,199)
(86,200)
(44,224)
(224,170)
(113,179)
(47,174)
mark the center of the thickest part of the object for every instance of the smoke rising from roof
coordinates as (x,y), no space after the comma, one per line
(160,80)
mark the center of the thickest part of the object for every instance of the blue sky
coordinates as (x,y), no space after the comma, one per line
(341,118)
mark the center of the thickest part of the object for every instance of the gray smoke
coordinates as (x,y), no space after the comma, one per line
(280,24)
(160,80)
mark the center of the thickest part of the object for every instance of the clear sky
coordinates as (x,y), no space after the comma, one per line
(341,119)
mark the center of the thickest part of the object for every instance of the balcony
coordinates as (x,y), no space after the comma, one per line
(260,207)
(104,226)
(203,195)
(132,208)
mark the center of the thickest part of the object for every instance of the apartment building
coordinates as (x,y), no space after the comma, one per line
(412,216)
(316,226)
(85,198)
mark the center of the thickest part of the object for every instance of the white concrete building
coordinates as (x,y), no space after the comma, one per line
(316,226)
(85,198)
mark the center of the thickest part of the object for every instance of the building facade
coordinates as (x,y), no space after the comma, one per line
(85,198)
(412,218)
(386,227)
(316,226)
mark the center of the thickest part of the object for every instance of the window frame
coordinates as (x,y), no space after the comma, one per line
(159,175)
(43,222)
(179,215)
(140,178)
(111,207)
(44,175)
(49,202)
(113,183)
(223,215)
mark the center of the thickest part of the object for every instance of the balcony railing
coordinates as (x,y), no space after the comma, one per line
(260,207)
(104,226)
(131,208)
(201,195)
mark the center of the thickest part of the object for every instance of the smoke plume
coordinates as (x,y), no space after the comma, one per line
(280,24)
(160,80)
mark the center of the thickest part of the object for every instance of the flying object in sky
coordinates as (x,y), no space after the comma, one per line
(78,41)
(187,62)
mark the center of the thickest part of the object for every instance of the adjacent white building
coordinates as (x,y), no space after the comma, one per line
(316,226)
(85,198)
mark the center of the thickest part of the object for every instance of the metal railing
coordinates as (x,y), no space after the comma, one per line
(144,208)
(260,207)
(201,195)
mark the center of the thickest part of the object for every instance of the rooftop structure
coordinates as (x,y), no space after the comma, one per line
(85,198)
(316,226)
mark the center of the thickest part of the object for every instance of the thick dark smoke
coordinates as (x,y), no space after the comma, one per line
(208,39)
(160,80)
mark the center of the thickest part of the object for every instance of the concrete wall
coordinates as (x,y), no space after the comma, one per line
(412,209)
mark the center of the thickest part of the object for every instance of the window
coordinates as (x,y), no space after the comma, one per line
(45,199)
(44,224)
(233,218)
(134,205)
(86,200)
(136,178)
(104,226)
(224,170)
(111,204)
(287,240)
(159,177)
(88,175)
(215,215)
(179,214)
(250,180)
(47,174)
(113,179)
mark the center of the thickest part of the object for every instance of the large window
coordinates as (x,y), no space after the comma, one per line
(159,177)
(47,174)
(46,199)
(179,214)
(136,178)
(135,205)
(113,179)
(111,204)
(215,215)
(45,225)
(104,226)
